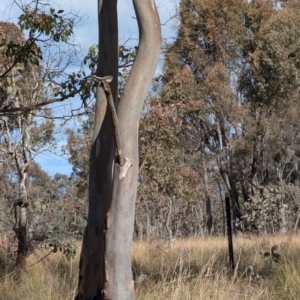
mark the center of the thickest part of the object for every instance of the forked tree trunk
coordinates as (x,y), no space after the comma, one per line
(105,264)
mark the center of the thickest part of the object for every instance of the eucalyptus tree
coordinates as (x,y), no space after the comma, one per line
(105,263)
(240,92)
(170,190)
(20,133)
(31,76)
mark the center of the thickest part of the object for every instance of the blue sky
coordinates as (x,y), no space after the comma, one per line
(87,34)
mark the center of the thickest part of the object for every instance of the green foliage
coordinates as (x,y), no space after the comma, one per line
(42,30)
(78,151)
(91,59)
(28,54)
(79,83)
(263,211)
(79,141)
(51,23)
(58,213)
(126,56)
(58,216)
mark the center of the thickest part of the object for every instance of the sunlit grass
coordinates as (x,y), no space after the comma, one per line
(187,269)
(53,278)
(199,269)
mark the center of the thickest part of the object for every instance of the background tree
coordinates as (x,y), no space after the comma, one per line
(77,149)
(19,134)
(27,83)
(170,179)
(238,91)
(59,215)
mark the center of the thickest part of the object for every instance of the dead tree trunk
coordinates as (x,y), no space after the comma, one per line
(105,265)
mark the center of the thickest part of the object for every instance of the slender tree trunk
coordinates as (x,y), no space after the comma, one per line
(22,251)
(209,217)
(168,222)
(148,223)
(283,223)
(21,222)
(297,222)
(105,265)
(223,209)
(236,214)
(138,229)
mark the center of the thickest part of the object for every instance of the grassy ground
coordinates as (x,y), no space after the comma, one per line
(189,269)
(53,277)
(199,269)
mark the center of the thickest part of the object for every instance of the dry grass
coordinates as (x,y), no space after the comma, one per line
(54,278)
(198,269)
(190,269)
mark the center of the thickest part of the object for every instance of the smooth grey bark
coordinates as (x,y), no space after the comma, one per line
(105,263)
